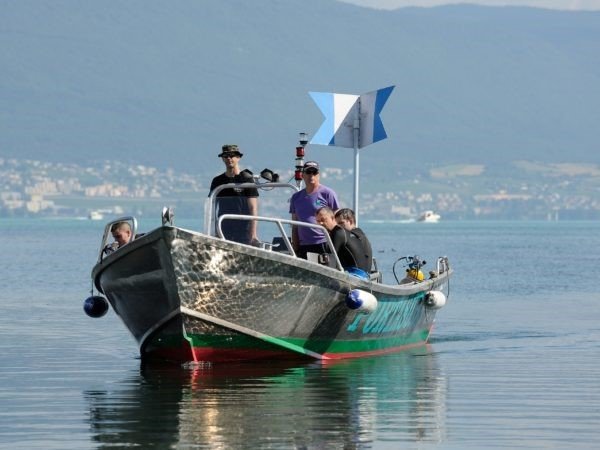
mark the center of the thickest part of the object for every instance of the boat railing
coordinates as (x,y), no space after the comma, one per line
(284,236)
(132,221)
(442,265)
(211,205)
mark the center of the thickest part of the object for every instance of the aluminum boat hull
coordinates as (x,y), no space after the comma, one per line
(187,296)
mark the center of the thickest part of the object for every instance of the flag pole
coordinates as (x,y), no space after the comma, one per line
(355,132)
(351,121)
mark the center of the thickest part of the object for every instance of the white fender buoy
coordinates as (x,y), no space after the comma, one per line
(435,299)
(361,301)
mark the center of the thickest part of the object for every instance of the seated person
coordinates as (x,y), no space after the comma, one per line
(121,233)
(348,247)
(346,219)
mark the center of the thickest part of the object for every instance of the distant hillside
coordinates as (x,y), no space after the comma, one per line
(166,83)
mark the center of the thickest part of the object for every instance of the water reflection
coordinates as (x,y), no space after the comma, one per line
(349,404)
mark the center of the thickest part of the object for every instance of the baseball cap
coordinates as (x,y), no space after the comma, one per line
(311,166)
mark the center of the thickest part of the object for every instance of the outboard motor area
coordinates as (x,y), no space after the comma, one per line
(95,306)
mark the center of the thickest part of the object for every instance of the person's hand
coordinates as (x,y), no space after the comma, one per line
(255,242)
(110,248)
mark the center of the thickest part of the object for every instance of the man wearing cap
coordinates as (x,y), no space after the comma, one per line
(236,200)
(303,207)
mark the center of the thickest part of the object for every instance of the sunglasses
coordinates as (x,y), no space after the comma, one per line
(311,171)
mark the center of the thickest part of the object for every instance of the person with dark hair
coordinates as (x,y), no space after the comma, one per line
(304,205)
(346,219)
(236,200)
(348,247)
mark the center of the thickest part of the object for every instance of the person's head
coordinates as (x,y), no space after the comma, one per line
(325,217)
(121,233)
(345,218)
(310,174)
(230,154)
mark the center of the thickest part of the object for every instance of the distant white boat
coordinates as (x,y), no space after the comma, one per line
(95,215)
(429,217)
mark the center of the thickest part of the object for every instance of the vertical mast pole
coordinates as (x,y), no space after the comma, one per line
(355,130)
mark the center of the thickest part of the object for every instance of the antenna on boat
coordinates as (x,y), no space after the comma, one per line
(300,158)
(351,121)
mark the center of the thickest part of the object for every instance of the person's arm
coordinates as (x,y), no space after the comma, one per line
(213,185)
(338,238)
(334,204)
(253,210)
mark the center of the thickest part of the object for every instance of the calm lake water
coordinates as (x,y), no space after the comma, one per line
(514,361)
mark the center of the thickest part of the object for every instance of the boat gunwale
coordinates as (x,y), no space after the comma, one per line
(163,232)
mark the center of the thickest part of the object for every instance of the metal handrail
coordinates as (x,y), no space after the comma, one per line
(210,224)
(280,223)
(209,213)
(442,265)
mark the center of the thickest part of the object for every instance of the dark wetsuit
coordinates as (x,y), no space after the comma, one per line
(349,248)
(360,234)
(234,201)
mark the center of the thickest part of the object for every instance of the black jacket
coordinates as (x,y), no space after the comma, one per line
(349,248)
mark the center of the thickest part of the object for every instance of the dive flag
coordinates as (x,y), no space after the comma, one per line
(341,111)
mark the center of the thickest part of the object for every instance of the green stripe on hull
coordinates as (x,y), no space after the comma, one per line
(367,345)
(229,342)
(380,344)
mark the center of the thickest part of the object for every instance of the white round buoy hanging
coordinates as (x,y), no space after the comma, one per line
(435,299)
(361,301)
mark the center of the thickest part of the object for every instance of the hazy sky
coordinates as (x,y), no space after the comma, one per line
(551,4)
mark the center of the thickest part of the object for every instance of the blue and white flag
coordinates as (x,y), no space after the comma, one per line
(342,110)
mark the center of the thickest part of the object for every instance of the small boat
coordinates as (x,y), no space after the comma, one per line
(188,295)
(95,215)
(194,296)
(429,217)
